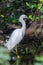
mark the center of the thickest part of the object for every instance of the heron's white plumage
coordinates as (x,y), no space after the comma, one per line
(16,35)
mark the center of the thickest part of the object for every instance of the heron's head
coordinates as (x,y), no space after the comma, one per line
(23,17)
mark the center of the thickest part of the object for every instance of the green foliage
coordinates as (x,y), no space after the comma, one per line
(4,56)
(31,5)
(39,5)
(42,44)
(17,62)
(39,58)
(30,17)
(36,63)
(14,20)
(41,16)
(27,4)
(41,10)
(34,4)
(41,1)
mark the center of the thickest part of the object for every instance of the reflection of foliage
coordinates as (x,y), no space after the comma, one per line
(4,56)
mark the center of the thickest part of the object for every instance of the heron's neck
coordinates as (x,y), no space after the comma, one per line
(23,24)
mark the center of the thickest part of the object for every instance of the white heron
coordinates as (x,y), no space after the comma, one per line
(17,35)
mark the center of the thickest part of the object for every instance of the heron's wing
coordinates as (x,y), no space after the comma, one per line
(16,36)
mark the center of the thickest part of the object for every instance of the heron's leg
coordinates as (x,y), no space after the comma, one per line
(18,56)
(16,50)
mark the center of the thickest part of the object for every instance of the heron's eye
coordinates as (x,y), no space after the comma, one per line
(24,18)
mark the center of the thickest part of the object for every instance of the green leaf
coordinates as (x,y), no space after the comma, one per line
(39,6)
(18,62)
(39,58)
(41,16)
(42,44)
(37,17)
(1,61)
(33,6)
(4,54)
(41,10)
(27,50)
(41,1)
(14,20)
(30,17)
(27,4)
(7,63)
(33,18)
(36,63)
(2,16)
